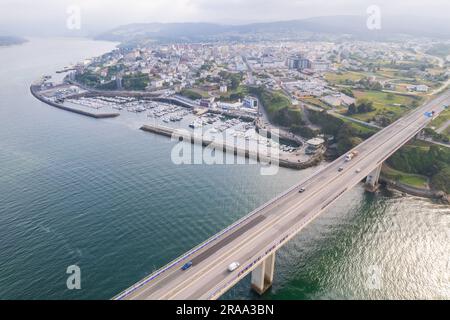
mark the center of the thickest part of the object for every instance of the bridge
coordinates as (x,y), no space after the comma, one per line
(253,240)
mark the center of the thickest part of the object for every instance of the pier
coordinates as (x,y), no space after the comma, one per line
(264,157)
(35,92)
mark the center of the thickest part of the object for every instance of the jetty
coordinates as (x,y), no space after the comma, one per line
(262,157)
(98,115)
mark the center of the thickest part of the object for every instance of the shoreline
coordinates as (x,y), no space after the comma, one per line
(237,151)
(414,191)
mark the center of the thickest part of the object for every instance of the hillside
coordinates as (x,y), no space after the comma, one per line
(311,28)
(9,40)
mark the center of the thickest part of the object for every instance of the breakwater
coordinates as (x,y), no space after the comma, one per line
(236,150)
(35,92)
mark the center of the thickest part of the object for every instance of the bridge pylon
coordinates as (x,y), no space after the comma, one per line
(372,184)
(262,276)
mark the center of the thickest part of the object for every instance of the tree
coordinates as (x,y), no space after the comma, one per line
(351,109)
(364,105)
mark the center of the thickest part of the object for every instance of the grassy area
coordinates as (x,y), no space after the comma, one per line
(362,129)
(446,132)
(316,102)
(234,95)
(382,74)
(388,104)
(441,119)
(278,106)
(194,94)
(340,78)
(272,101)
(137,81)
(423,159)
(413,180)
(397,77)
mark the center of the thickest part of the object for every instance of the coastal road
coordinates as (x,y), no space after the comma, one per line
(269,227)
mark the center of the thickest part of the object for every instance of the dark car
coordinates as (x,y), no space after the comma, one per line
(341,169)
(186,265)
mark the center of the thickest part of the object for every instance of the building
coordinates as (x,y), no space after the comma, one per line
(250,102)
(223,88)
(157,83)
(314,144)
(304,63)
(418,88)
(206,102)
(320,66)
(298,63)
(293,62)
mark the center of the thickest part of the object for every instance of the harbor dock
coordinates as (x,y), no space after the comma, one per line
(264,157)
(99,115)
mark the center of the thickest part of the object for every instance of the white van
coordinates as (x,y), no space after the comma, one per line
(233,266)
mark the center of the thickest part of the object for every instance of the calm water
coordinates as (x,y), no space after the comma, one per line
(105,196)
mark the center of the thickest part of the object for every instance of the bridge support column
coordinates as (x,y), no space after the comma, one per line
(372,179)
(262,276)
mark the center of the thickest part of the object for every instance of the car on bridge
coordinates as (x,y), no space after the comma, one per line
(351,155)
(186,266)
(233,266)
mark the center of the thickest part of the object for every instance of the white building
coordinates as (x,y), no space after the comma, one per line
(250,102)
(320,65)
(157,83)
(418,88)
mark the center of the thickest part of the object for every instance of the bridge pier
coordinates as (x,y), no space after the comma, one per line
(372,179)
(262,276)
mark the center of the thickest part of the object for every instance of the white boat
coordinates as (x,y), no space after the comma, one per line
(195,124)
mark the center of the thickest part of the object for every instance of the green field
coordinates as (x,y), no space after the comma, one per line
(441,119)
(413,180)
(446,132)
(391,105)
(234,95)
(382,74)
(340,78)
(362,129)
(194,93)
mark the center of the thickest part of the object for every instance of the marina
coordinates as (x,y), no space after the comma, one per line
(127,201)
(145,112)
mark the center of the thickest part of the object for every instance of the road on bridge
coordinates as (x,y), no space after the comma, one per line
(267,228)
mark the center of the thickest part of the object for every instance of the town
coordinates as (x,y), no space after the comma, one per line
(320,97)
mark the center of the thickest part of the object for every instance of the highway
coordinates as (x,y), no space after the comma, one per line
(264,230)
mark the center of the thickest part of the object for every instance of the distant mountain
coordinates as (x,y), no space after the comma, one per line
(353,26)
(9,40)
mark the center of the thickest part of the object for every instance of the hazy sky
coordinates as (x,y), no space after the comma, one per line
(49,16)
